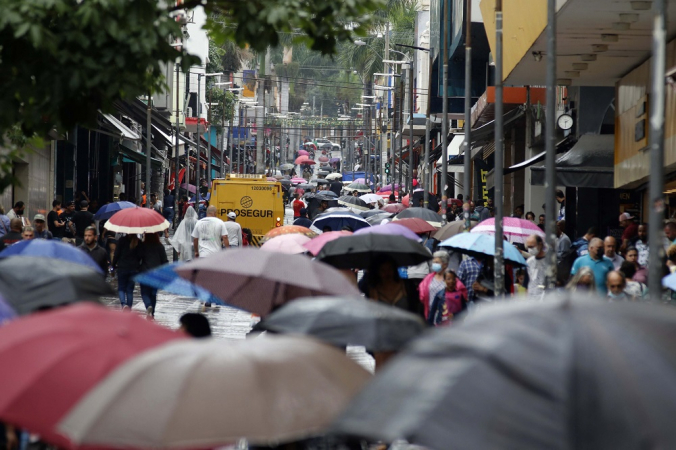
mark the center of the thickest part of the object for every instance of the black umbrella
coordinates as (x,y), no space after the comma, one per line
(376,219)
(351,201)
(344,321)
(329,194)
(562,374)
(432,201)
(359,251)
(425,214)
(372,212)
(28,283)
(322,181)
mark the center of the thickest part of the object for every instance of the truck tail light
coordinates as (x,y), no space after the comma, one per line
(278,223)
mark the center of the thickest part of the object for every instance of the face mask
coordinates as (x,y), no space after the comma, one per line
(533,251)
(615,296)
(436,267)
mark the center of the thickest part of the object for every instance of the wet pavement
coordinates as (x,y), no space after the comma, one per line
(226,322)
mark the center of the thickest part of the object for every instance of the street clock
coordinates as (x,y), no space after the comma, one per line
(565,122)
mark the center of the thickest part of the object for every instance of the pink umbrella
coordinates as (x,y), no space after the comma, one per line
(271,179)
(360,181)
(304,160)
(388,188)
(316,244)
(298,180)
(323,159)
(291,244)
(303,152)
(516,230)
(137,221)
(189,187)
(394,208)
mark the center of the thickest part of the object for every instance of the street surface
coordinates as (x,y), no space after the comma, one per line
(226,322)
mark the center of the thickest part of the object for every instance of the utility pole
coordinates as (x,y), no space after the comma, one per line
(149,111)
(177,183)
(401,136)
(260,125)
(384,149)
(467,143)
(656,183)
(411,110)
(426,164)
(550,147)
(197,136)
(444,121)
(499,265)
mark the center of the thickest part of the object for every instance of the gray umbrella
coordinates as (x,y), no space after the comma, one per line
(563,374)
(346,321)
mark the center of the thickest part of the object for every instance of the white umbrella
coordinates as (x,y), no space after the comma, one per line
(371,198)
(334,176)
(207,393)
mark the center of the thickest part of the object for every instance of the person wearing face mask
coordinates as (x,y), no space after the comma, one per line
(616,285)
(537,265)
(583,281)
(434,282)
(597,263)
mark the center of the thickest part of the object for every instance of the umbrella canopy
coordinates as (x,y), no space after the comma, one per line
(258,281)
(205,394)
(306,186)
(361,180)
(285,183)
(321,181)
(28,283)
(339,219)
(377,219)
(323,159)
(565,373)
(137,221)
(353,202)
(482,245)
(394,208)
(451,229)
(371,213)
(288,229)
(51,249)
(166,278)
(359,187)
(669,282)
(328,194)
(416,225)
(304,160)
(57,356)
(106,211)
(344,321)
(317,243)
(425,214)
(390,229)
(291,244)
(298,180)
(334,176)
(371,198)
(334,160)
(188,187)
(303,153)
(286,166)
(271,179)
(6,312)
(388,188)
(516,230)
(359,251)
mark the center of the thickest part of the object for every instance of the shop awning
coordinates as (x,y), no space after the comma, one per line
(138,157)
(119,129)
(167,138)
(589,164)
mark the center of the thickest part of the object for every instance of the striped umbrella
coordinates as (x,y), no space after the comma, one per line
(516,230)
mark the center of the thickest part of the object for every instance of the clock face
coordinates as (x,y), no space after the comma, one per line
(565,122)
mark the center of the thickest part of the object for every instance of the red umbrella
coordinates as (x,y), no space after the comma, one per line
(288,229)
(323,159)
(316,244)
(304,160)
(418,226)
(53,358)
(137,221)
(394,208)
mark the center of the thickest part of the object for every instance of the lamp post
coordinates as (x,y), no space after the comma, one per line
(199,135)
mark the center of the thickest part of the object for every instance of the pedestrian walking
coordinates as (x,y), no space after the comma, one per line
(28,234)
(153,254)
(54,223)
(634,289)
(641,274)
(17,213)
(537,266)
(448,302)
(468,272)
(182,240)
(582,281)
(67,219)
(81,220)
(563,243)
(561,200)
(483,212)
(581,245)
(40,226)
(382,283)
(210,234)
(168,209)
(609,248)
(127,263)
(597,263)
(641,245)
(91,247)
(4,222)
(630,231)
(234,230)
(14,234)
(297,205)
(434,282)
(616,284)
(302,220)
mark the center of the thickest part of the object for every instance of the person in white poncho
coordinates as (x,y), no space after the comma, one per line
(182,239)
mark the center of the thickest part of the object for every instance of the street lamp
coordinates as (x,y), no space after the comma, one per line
(199,136)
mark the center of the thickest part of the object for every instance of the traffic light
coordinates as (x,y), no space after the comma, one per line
(387,168)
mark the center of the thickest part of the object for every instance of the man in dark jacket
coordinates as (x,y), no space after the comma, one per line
(91,247)
(302,220)
(336,187)
(483,212)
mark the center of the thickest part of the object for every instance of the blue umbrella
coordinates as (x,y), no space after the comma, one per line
(337,220)
(50,249)
(6,311)
(107,211)
(476,244)
(669,282)
(165,278)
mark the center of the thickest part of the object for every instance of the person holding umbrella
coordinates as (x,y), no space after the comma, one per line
(382,283)
(434,282)
(127,262)
(152,255)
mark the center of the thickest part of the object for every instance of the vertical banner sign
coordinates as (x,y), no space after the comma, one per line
(249,83)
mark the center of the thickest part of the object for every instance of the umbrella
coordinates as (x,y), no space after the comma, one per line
(371,213)
(206,394)
(359,251)
(188,187)
(6,312)
(669,282)
(310,144)
(258,281)
(334,176)
(52,250)
(451,229)
(416,225)
(360,180)
(339,219)
(388,188)
(390,229)
(351,201)
(166,278)
(316,244)
(285,182)
(516,230)
(304,160)
(334,160)
(28,283)
(323,159)
(377,219)
(321,181)
(371,198)
(137,221)
(303,153)
(53,358)
(482,245)
(565,373)
(271,179)
(425,214)
(107,211)
(298,180)
(344,321)
(330,194)
(306,186)
(359,187)
(286,166)
(288,229)
(291,244)
(394,208)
